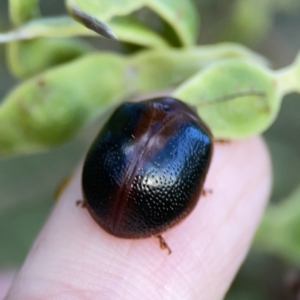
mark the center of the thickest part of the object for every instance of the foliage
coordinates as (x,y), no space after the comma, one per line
(233,90)
(279,232)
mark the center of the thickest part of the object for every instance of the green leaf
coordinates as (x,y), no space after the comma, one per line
(169,67)
(236,98)
(105,10)
(63,26)
(131,31)
(288,79)
(241,28)
(92,23)
(181,14)
(127,29)
(279,232)
(27,58)
(51,108)
(22,11)
(238,28)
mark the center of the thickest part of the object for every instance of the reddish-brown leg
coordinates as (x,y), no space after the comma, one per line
(80,203)
(163,245)
(221,141)
(205,192)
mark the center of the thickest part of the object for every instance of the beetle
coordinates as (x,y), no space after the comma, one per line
(145,171)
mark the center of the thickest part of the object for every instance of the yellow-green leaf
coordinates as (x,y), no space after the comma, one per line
(131,31)
(22,11)
(126,28)
(50,108)
(169,67)
(236,98)
(288,79)
(27,58)
(180,14)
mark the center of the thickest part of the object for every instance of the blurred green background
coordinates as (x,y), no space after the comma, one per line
(27,183)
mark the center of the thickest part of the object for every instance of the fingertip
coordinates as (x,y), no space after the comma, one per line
(74,253)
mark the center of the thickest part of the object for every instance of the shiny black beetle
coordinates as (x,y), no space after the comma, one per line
(145,170)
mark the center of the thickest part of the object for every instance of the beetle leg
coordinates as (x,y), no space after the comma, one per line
(222,141)
(163,245)
(81,203)
(204,192)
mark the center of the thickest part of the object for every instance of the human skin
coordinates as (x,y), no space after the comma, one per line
(73,258)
